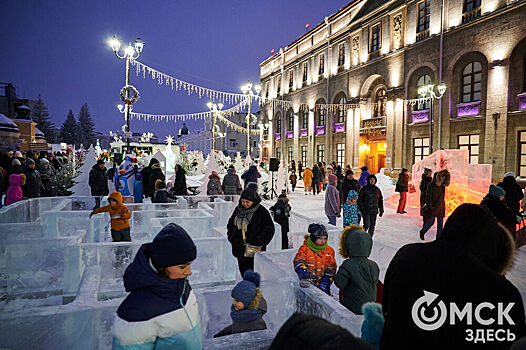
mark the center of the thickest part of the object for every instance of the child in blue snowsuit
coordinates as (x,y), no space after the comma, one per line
(137,188)
(351,213)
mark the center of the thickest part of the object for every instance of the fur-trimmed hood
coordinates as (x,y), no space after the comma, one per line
(355,242)
(442,174)
(214,176)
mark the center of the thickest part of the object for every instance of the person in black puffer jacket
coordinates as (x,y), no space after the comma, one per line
(150,175)
(494,201)
(514,192)
(33,184)
(180,188)
(426,180)
(370,202)
(250,217)
(231,184)
(98,179)
(349,183)
(466,264)
(316,179)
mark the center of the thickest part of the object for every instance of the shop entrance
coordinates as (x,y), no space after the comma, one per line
(372,153)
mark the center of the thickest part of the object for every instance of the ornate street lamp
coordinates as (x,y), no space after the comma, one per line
(250,119)
(428,91)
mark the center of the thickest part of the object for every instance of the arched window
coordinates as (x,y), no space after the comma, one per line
(305,119)
(380,98)
(278,123)
(290,120)
(341,112)
(471,82)
(422,81)
(322,116)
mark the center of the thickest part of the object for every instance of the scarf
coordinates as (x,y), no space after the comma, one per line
(245,315)
(315,248)
(244,217)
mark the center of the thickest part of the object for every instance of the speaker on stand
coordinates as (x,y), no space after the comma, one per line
(273,167)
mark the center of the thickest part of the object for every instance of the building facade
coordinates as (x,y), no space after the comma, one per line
(350,85)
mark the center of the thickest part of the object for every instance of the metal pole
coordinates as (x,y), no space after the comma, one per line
(127,107)
(431,126)
(440,73)
(214,129)
(248,119)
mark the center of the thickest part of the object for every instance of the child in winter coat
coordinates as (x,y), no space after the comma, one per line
(161,311)
(351,212)
(373,324)
(120,216)
(293,180)
(281,213)
(357,277)
(248,307)
(137,188)
(315,263)
(14,192)
(161,195)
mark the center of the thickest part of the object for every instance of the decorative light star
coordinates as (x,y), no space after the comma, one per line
(169,140)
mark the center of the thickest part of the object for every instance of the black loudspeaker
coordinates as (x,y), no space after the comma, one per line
(117,158)
(274,164)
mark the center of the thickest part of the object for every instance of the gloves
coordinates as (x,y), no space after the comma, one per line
(325,287)
(90,215)
(305,283)
(302,272)
(381,213)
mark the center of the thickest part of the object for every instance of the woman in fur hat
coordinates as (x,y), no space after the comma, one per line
(213,188)
(435,205)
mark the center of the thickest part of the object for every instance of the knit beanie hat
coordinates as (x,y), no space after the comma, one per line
(349,172)
(364,168)
(250,193)
(317,231)
(427,171)
(100,161)
(282,196)
(246,290)
(509,173)
(496,191)
(332,178)
(172,246)
(15,162)
(29,161)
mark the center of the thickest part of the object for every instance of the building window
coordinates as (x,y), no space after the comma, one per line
(305,72)
(471,82)
(380,100)
(291,78)
(375,38)
(341,55)
(340,154)
(279,85)
(305,119)
(321,153)
(423,16)
(266,89)
(289,159)
(278,153)
(278,123)
(304,155)
(341,111)
(232,143)
(321,70)
(255,144)
(471,143)
(290,121)
(522,153)
(422,81)
(420,148)
(470,5)
(322,113)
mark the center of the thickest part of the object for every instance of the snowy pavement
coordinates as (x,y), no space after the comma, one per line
(393,229)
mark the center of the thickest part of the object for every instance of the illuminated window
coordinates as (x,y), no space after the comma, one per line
(290,120)
(471,143)
(341,111)
(278,153)
(304,154)
(321,70)
(340,154)
(305,119)
(321,153)
(322,113)
(380,100)
(278,123)
(279,85)
(420,148)
(423,16)
(304,72)
(375,38)
(291,78)
(471,82)
(522,153)
(290,155)
(423,80)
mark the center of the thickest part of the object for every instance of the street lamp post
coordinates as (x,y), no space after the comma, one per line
(130,53)
(428,91)
(247,91)
(215,108)
(262,128)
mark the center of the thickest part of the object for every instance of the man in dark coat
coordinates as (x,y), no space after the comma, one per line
(33,182)
(467,264)
(514,192)
(251,175)
(281,213)
(231,184)
(370,202)
(494,201)
(180,188)
(150,174)
(316,179)
(46,175)
(300,169)
(349,183)
(435,206)
(426,180)
(254,220)
(402,187)
(98,181)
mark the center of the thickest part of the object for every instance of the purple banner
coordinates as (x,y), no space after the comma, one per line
(277,136)
(320,130)
(421,116)
(303,132)
(339,127)
(468,109)
(290,134)
(522,100)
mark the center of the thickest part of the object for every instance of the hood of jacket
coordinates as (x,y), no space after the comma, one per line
(475,228)
(214,176)
(354,242)
(116,196)
(231,171)
(351,194)
(372,176)
(153,161)
(442,174)
(15,179)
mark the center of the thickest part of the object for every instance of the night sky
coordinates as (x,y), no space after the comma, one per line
(58,49)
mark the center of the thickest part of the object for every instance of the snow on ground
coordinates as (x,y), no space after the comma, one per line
(393,229)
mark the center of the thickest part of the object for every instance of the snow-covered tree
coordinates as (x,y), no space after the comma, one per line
(86,127)
(82,180)
(69,130)
(40,115)
(238,163)
(211,165)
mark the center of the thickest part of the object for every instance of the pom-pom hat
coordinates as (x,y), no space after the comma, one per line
(246,290)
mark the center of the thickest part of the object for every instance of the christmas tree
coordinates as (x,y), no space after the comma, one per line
(211,165)
(86,127)
(82,180)
(69,130)
(238,163)
(40,115)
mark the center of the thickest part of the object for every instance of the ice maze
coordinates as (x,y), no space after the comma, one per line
(61,276)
